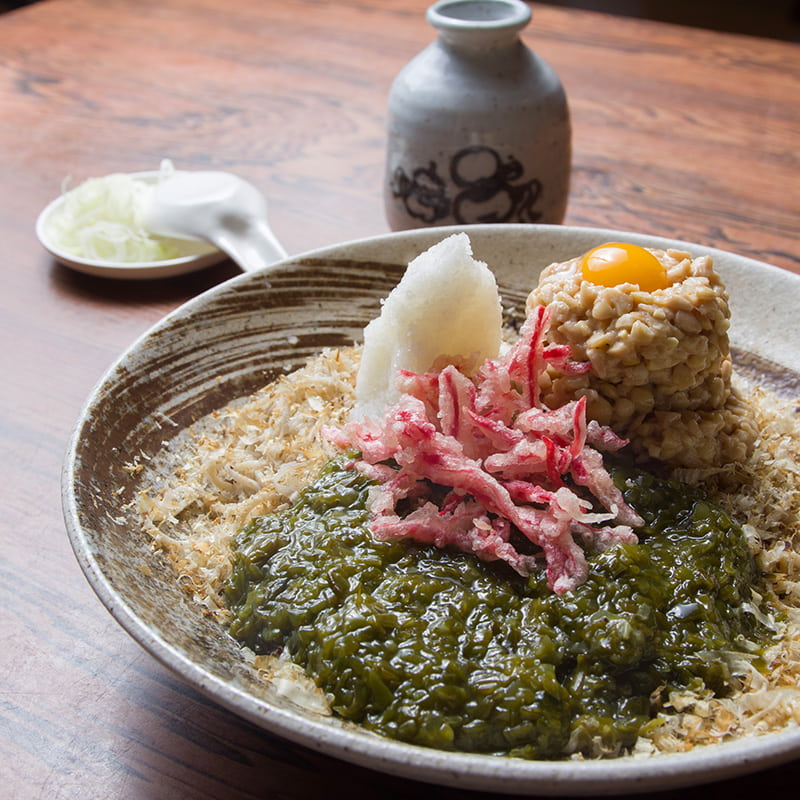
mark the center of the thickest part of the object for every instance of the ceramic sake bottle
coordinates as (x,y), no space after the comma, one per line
(478,127)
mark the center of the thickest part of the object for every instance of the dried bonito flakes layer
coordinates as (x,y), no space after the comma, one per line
(661,366)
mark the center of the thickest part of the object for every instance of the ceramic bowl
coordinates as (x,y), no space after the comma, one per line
(237,336)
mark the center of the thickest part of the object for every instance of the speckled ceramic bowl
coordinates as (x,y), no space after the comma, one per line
(232,340)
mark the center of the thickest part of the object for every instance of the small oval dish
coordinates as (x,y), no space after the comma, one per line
(198,254)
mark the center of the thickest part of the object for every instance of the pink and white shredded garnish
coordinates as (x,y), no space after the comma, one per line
(500,460)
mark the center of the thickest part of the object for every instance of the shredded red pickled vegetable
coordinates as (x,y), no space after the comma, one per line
(501,460)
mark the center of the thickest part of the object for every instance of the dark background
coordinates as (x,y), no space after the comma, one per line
(775,19)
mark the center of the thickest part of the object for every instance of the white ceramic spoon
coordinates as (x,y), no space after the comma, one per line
(217,207)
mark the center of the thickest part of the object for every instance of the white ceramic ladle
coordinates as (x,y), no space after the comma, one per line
(217,207)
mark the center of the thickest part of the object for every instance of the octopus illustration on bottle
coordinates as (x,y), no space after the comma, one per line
(485,179)
(487,189)
(424,194)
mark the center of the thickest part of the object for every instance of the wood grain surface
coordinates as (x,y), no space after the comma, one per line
(680,132)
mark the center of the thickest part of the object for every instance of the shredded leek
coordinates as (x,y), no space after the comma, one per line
(100,220)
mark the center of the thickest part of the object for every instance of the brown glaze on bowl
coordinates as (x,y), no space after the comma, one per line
(238,336)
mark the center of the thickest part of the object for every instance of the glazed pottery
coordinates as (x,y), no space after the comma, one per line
(231,340)
(478,125)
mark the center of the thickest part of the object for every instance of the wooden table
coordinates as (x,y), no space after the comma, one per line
(676,131)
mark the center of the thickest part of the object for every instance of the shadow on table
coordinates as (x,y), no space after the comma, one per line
(160,292)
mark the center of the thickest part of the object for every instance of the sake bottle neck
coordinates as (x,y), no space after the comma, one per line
(478,25)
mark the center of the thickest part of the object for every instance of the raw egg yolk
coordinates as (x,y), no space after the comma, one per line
(616,263)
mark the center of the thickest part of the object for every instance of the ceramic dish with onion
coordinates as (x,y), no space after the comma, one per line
(185,255)
(232,340)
